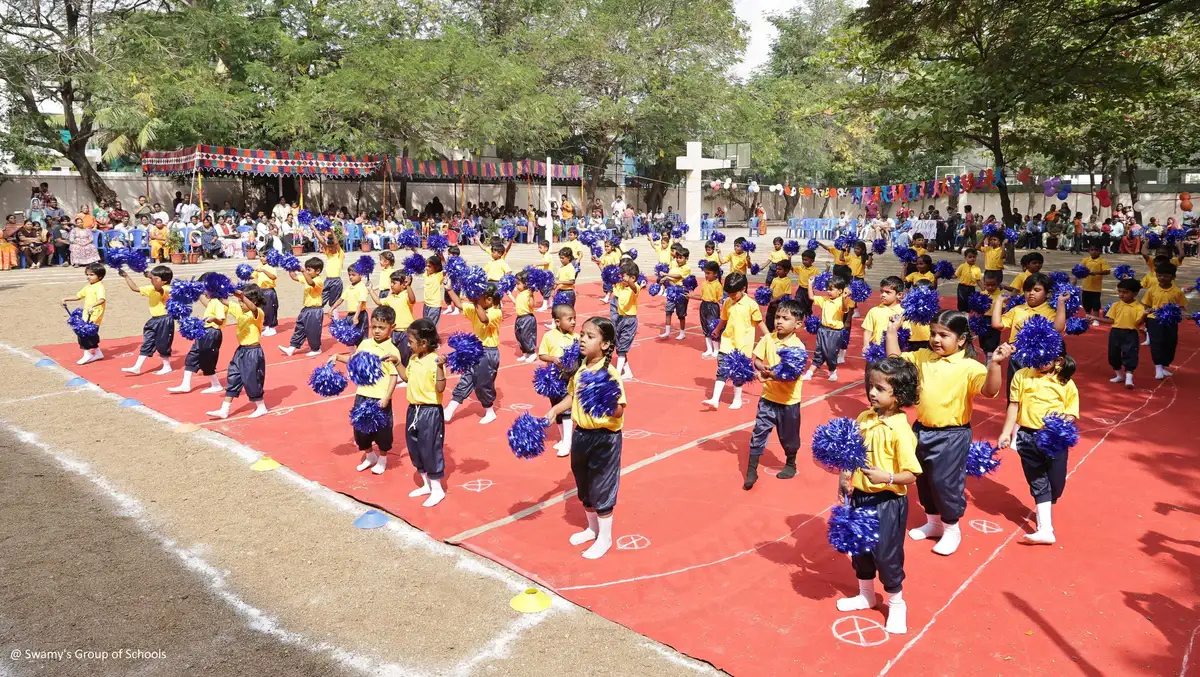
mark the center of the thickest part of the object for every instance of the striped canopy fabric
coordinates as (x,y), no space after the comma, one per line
(226,160)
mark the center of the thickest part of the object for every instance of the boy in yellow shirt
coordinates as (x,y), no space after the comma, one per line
(159,331)
(484,315)
(1093,283)
(710,307)
(779,405)
(833,308)
(525,327)
(1163,339)
(968,276)
(378,343)
(626,293)
(248,366)
(545,263)
(807,271)
(308,322)
(205,350)
(401,300)
(355,297)
(993,255)
(265,278)
(93,297)
(674,277)
(875,324)
(740,317)
(1125,316)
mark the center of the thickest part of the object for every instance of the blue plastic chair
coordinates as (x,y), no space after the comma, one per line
(793,228)
(140,240)
(752,227)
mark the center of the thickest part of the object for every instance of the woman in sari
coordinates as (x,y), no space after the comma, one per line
(32,241)
(101,215)
(85,213)
(83,246)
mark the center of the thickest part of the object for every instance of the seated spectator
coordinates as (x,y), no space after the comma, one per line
(82,245)
(210,241)
(8,249)
(118,217)
(31,240)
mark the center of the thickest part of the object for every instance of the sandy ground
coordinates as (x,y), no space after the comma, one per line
(164,540)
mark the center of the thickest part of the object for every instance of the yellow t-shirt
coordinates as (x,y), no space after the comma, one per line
(767,350)
(857,265)
(832,311)
(612,258)
(738,263)
(92,294)
(777,255)
(422,380)
(402,306)
(627,298)
(565,274)
(916,331)
(741,317)
(1038,394)
(214,314)
(486,328)
(682,271)
(878,319)
(662,250)
(806,274)
(1017,317)
(547,260)
(1149,280)
(260,277)
(382,279)
(780,286)
(157,299)
(993,258)
(839,255)
(333,264)
(1018,282)
(249,326)
(711,291)
(524,302)
(921,251)
(913,278)
(948,385)
(431,296)
(1096,265)
(582,419)
(555,342)
(576,248)
(891,447)
(355,297)
(1156,297)
(312,292)
(1125,315)
(968,274)
(382,349)
(496,269)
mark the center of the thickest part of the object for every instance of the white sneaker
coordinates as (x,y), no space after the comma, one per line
(269,331)
(287,350)
(710,403)
(561,450)
(833,376)
(1146,342)
(856,603)
(927,530)
(951,538)
(312,353)
(1095,323)
(1039,537)
(808,375)
(87,357)
(680,336)
(367,462)
(897,619)
(1166,373)
(488,417)
(1116,379)
(665,334)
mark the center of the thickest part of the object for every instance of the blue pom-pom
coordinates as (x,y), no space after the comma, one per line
(588,237)
(414,264)
(548,382)
(1037,344)
(717,237)
(838,445)
(137,261)
(273,257)
(874,352)
(540,279)
(343,331)
(191,328)
(187,291)
(631,253)
(437,242)
(217,286)
(82,328)
(322,223)
(569,361)
(662,269)
(474,282)
(762,296)
(1058,278)
(562,298)
(244,271)
(304,217)
(597,392)
(943,270)
(290,263)
(982,459)
(577,267)
(1058,434)
(655,237)
(469,232)
(791,247)
(466,352)
(611,274)
(1153,241)
(178,309)
(327,381)
(365,265)
(843,242)
(1074,301)
(1168,315)
(675,295)
(690,283)
(1011,234)
(978,302)
(748,246)
(905,254)
(1196,318)
(527,436)
(364,368)
(115,256)
(903,336)
(1174,235)
(642,281)
(845,337)
(455,268)
(654,289)
(992,229)
(1080,271)
(879,246)
(367,418)
(1013,302)
(821,281)
(860,291)
(739,368)
(979,324)
(508,232)
(813,244)
(853,531)
(812,324)
(1124,272)
(793,360)
(921,304)
(755,269)
(506,283)
(1077,325)
(597,251)
(408,239)
(676,232)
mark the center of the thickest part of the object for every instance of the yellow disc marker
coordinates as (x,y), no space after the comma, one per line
(264,464)
(530,601)
(186,428)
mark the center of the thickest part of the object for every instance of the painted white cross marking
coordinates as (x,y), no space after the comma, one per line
(859,631)
(985,526)
(632,542)
(477,485)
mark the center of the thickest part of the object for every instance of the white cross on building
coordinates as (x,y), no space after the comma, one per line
(694,163)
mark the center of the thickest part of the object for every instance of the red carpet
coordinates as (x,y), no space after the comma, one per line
(746,580)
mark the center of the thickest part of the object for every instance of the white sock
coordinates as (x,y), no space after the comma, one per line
(833,375)
(588,534)
(568,428)
(214,385)
(449,410)
(87,357)
(620,364)
(380,464)
(1129,379)
(368,461)
(185,386)
(137,366)
(269,331)
(312,353)
(422,490)
(931,529)
(737,398)
(841,357)
(436,494)
(808,374)
(1118,378)
(897,620)
(951,538)
(1166,372)
(260,409)
(681,335)
(603,539)
(97,354)
(166,367)
(1045,523)
(488,416)
(666,332)
(715,401)
(531,357)
(220,413)
(1158,372)
(708,346)
(865,599)
(287,350)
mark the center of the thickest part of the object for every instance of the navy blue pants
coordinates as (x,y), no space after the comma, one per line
(89,343)
(308,328)
(400,340)
(425,435)
(679,309)
(1046,474)
(526,331)
(332,291)
(381,438)
(362,322)
(157,336)
(829,343)
(247,368)
(481,379)
(784,419)
(596,465)
(1123,346)
(964,297)
(1091,302)
(886,559)
(627,326)
(432,314)
(270,307)
(1163,341)
(941,486)
(203,355)
(989,341)
(612,308)
(772,307)
(805,300)
(710,317)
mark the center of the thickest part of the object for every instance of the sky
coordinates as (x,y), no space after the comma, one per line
(761,33)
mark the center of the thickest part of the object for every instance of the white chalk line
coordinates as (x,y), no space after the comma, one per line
(1187,653)
(1020,530)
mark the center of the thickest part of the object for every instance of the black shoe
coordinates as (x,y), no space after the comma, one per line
(751,473)
(789,468)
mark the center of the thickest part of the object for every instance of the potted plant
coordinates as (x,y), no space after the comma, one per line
(175,246)
(365,245)
(252,251)
(297,250)
(193,256)
(393,245)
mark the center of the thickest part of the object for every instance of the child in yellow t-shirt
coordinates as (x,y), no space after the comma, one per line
(202,357)
(525,327)
(1126,316)
(379,394)
(832,308)
(424,423)
(94,304)
(248,366)
(625,294)
(159,331)
(740,317)
(401,300)
(484,315)
(309,321)
(711,292)
(779,406)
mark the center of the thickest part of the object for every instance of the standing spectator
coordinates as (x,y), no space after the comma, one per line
(281,211)
(175,205)
(142,208)
(159,214)
(617,208)
(188,210)
(36,212)
(8,249)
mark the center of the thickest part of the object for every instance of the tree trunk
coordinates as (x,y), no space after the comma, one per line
(1131,181)
(510,194)
(789,204)
(597,159)
(824,207)
(1010,249)
(654,196)
(95,183)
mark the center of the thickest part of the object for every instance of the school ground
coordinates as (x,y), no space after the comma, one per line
(121,531)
